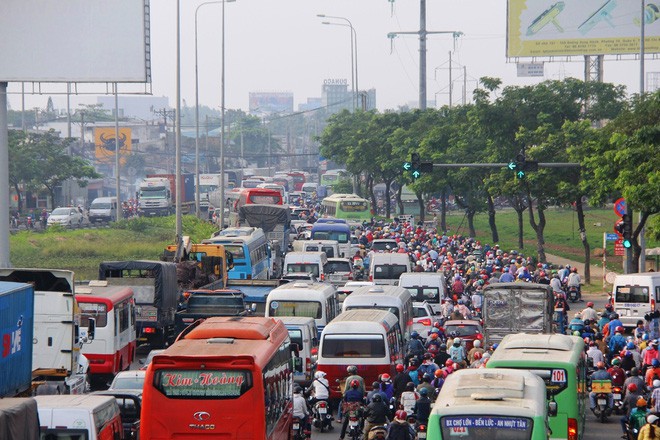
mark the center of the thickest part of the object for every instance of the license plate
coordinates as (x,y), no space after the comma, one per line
(296,426)
(323,410)
(602,401)
(616,396)
(421,435)
(353,423)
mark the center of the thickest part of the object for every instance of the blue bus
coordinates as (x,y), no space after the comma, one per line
(250,250)
(334,229)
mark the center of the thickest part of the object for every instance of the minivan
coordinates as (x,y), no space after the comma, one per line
(303,333)
(426,286)
(635,295)
(103,209)
(330,247)
(387,268)
(311,262)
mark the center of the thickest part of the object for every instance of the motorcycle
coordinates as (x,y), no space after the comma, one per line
(377,433)
(355,422)
(298,431)
(602,389)
(617,400)
(421,432)
(572,294)
(321,416)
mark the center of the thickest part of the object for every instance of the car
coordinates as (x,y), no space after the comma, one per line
(128,380)
(145,362)
(383,244)
(69,216)
(340,270)
(298,276)
(466,329)
(130,404)
(423,318)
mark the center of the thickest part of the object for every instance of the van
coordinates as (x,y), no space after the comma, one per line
(303,333)
(310,262)
(425,286)
(635,295)
(330,247)
(490,403)
(302,298)
(309,188)
(387,268)
(103,209)
(393,299)
(88,416)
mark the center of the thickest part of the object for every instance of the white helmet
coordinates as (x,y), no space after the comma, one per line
(656,383)
(477,343)
(319,374)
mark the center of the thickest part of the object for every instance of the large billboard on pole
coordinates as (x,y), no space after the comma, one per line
(548,28)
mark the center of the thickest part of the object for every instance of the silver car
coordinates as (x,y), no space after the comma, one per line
(68,216)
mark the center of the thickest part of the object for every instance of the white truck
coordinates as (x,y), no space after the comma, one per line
(207,184)
(155,197)
(58,366)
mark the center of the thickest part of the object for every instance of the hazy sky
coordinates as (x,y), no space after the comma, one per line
(282,46)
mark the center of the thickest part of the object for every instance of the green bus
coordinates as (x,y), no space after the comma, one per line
(332,177)
(560,361)
(346,206)
(490,403)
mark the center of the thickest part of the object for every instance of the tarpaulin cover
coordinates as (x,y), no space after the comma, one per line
(19,419)
(266,217)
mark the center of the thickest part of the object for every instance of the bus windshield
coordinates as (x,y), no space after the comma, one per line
(477,427)
(261,199)
(236,251)
(353,346)
(389,272)
(93,310)
(308,309)
(202,384)
(632,294)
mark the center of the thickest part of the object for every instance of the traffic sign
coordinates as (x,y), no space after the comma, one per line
(620,206)
(619,250)
(612,237)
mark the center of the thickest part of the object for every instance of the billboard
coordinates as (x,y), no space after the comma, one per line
(75,41)
(547,28)
(104,143)
(271,102)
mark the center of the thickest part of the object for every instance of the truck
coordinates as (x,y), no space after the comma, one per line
(202,304)
(510,308)
(275,220)
(154,284)
(19,418)
(16,329)
(207,184)
(57,364)
(157,194)
(200,265)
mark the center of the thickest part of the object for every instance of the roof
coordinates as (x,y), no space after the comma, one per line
(301,290)
(522,348)
(99,291)
(247,327)
(72,400)
(382,291)
(352,320)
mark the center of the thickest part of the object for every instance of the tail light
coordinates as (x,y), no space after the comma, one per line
(322,405)
(652,304)
(149,330)
(308,364)
(616,390)
(572,429)
(422,428)
(352,418)
(322,277)
(371,277)
(425,321)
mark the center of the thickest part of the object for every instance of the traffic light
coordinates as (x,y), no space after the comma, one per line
(627,230)
(520,166)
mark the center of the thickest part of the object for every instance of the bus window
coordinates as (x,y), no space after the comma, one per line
(632,294)
(308,309)
(93,310)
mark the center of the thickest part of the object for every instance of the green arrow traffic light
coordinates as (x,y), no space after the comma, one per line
(513,166)
(520,174)
(407,166)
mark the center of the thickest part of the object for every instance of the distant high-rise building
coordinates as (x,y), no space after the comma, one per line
(336,96)
(268,103)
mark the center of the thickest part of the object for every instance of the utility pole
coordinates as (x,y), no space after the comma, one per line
(423,33)
(165,114)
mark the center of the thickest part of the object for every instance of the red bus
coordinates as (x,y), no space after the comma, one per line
(114,344)
(369,339)
(229,377)
(251,196)
(298,179)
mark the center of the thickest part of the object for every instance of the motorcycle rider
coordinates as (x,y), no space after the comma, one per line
(400,429)
(300,409)
(617,373)
(320,387)
(600,374)
(595,354)
(633,393)
(651,430)
(589,313)
(638,415)
(352,376)
(400,380)
(617,342)
(422,408)
(574,281)
(457,353)
(415,347)
(354,396)
(377,413)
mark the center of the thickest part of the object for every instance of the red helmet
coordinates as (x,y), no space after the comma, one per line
(574,269)
(401,414)
(590,304)
(434,336)
(539,265)
(632,387)
(619,329)
(385,377)
(542,274)
(355,383)
(477,355)
(400,367)
(449,363)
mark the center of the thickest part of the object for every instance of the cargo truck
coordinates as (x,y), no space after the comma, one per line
(16,327)
(510,308)
(208,183)
(19,419)
(157,194)
(57,364)
(154,284)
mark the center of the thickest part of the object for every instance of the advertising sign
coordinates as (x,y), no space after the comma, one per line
(104,143)
(546,28)
(619,250)
(529,69)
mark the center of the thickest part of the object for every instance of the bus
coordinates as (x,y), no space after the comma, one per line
(393,299)
(115,338)
(249,250)
(560,361)
(338,230)
(332,177)
(251,196)
(369,339)
(227,377)
(495,403)
(298,179)
(346,206)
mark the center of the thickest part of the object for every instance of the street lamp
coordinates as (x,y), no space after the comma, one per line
(354,57)
(197,104)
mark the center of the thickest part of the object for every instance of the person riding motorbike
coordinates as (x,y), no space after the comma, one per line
(651,430)
(574,281)
(300,409)
(320,387)
(353,398)
(600,374)
(377,413)
(400,429)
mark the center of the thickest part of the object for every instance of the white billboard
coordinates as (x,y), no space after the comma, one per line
(74,41)
(546,28)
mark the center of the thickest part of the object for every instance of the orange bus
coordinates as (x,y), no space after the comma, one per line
(229,377)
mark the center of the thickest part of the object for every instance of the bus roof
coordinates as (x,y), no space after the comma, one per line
(480,391)
(359,321)
(523,348)
(339,196)
(302,289)
(382,291)
(244,327)
(331,225)
(99,292)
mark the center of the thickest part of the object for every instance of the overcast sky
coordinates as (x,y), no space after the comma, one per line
(282,46)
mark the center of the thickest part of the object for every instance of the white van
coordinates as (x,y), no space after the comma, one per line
(393,299)
(387,268)
(634,295)
(86,416)
(301,298)
(103,209)
(303,333)
(330,247)
(309,188)
(310,262)
(425,286)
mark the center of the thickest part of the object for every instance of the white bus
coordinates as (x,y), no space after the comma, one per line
(393,299)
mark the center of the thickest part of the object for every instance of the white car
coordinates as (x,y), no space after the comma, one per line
(340,271)
(423,318)
(128,380)
(69,216)
(349,287)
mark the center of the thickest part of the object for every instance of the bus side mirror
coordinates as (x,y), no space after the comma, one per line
(552,409)
(91,330)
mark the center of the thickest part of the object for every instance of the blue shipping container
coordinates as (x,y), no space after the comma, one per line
(16,333)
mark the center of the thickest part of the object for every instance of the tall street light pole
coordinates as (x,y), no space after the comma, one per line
(222,125)
(197,106)
(177,136)
(354,67)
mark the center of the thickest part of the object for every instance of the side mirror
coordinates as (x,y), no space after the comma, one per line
(91,330)
(141,361)
(552,409)
(298,364)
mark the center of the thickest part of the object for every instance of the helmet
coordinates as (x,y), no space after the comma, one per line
(632,387)
(477,355)
(539,265)
(590,304)
(652,418)
(574,270)
(568,266)
(377,398)
(656,383)
(401,414)
(385,377)
(319,374)
(641,402)
(600,365)
(355,384)
(439,373)
(645,337)
(619,329)
(457,341)
(297,389)
(616,361)
(449,363)
(351,369)
(427,377)
(495,345)
(655,362)
(434,335)
(576,333)
(608,306)
(414,335)
(542,274)
(424,392)
(443,347)
(630,345)
(477,343)
(400,367)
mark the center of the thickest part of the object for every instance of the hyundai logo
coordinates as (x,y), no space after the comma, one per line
(201,416)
